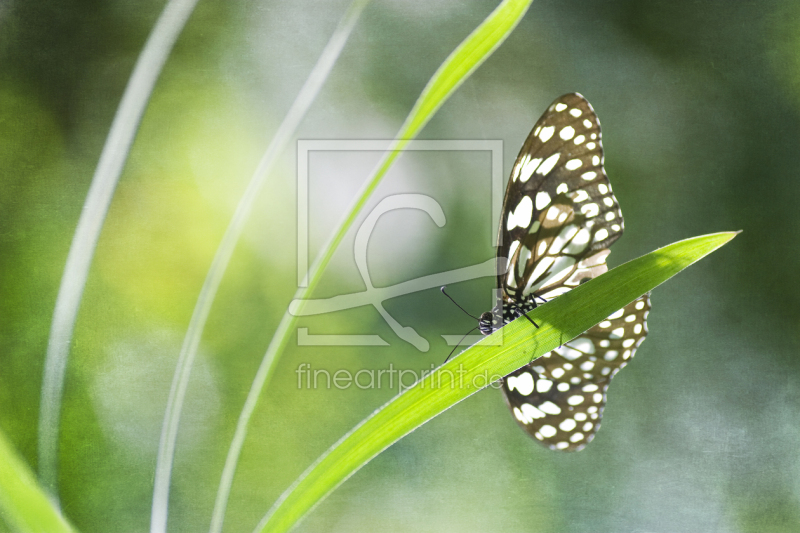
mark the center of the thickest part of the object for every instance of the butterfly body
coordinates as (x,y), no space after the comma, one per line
(559,217)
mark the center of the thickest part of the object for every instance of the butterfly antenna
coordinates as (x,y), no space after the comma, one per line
(459,342)
(465,311)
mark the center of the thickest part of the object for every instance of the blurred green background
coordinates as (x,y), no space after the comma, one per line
(699,103)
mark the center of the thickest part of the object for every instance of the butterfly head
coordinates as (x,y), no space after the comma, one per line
(487,323)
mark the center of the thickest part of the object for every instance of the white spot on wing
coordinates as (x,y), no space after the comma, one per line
(520,164)
(579,242)
(522,215)
(569,353)
(573,164)
(567,425)
(523,383)
(542,200)
(548,164)
(567,133)
(524,256)
(546,133)
(575,399)
(550,408)
(576,437)
(583,344)
(562,267)
(590,210)
(547,431)
(542,248)
(527,169)
(541,268)
(531,411)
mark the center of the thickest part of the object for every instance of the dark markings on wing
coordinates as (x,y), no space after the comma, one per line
(559,218)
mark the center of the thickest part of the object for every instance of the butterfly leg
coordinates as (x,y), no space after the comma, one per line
(531,320)
(524,312)
(519,312)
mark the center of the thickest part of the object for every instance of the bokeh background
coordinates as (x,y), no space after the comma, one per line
(699,103)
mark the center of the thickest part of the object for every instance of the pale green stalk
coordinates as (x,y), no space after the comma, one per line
(112,159)
(169,432)
(477,47)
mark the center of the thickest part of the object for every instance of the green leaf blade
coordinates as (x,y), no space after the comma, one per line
(560,320)
(460,64)
(23,503)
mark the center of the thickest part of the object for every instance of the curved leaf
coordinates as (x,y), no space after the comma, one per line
(559,320)
(23,503)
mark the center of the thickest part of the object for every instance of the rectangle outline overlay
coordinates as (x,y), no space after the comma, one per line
(304,147)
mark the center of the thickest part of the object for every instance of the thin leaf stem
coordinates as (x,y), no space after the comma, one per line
(76,270)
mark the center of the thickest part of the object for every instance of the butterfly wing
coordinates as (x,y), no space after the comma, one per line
(559,210)
(559,218)
(559,398)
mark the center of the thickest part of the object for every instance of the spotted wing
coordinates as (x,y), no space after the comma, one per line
(559,398)
(559,213)
(559,218)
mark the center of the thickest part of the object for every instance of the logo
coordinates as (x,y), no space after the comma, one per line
(375,296)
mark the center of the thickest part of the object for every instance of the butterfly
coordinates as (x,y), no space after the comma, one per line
(558,220)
